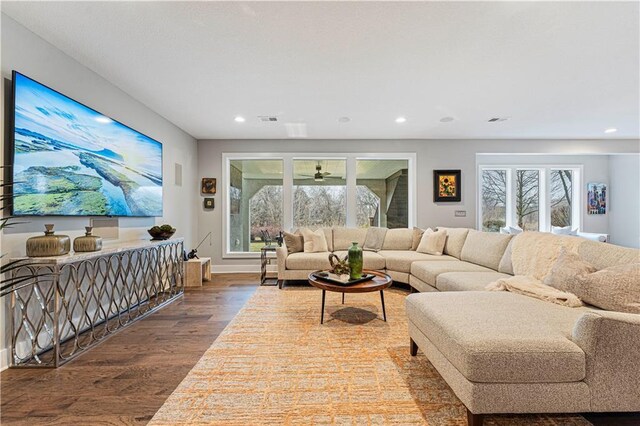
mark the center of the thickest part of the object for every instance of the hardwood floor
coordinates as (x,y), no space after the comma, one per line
(125,380)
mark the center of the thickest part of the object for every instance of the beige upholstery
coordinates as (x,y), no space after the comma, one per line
(572,397)
(401,260)
(328,235)
(467,281)
(428,271)
(398,239)
(611,341)
(506,266)
(308,261)
(398,277)
(485,248)
(370,259)
(344,237)
(455,240)
(603,255)
(420,285)
(523,341)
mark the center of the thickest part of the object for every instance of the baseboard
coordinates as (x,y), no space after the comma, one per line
(4,359)
(235,269)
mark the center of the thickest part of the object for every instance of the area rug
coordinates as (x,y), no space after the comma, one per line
(275,364)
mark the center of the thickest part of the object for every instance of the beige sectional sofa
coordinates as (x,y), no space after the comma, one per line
(503,352)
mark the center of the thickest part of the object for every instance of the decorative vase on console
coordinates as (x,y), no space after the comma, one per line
(355,261)
(88,242)
(48,244)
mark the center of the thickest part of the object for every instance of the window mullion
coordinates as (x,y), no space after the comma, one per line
(352,208)
(287,193)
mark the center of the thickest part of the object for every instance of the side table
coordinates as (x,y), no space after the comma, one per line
(196,271)
(264,261)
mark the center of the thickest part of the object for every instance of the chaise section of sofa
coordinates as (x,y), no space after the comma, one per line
(507,353)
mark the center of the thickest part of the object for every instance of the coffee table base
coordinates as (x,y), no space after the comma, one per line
(324,294)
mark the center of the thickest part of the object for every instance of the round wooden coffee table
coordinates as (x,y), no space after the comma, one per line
(378,283)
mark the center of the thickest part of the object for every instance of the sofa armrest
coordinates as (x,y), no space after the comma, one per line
(281,256)
(611,342)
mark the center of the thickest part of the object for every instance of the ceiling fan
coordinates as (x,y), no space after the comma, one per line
(319,175)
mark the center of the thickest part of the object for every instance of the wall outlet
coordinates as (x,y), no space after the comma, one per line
(461,213)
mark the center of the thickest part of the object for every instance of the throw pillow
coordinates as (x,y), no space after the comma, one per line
(563,230)
(314,242)
(417,236)
(374,239)
(294,242)
(511,230)
(432,242)
(565,272)
(615,289)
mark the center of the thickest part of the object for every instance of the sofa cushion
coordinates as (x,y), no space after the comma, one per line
(428,271)
(455,240)
(308,261)
(398,239)
(370,259)
(467,281)
(374,239)
(602,255)
(294,242)
(314,241)
(344,237)
(501,337)
(401,260)
(485,248)
(417,236)
(328,235)
(506,266)
(432,242)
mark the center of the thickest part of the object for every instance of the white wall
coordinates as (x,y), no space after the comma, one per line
(624,200)
(27,53)
(431,154)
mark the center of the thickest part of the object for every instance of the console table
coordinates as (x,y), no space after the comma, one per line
(73,302)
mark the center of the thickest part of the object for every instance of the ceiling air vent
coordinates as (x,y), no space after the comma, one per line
(268,118)
(496,119)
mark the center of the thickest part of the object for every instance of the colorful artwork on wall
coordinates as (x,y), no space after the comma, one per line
(596,198)
(446,186)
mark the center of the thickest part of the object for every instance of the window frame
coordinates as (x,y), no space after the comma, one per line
(287,187)
(544,203)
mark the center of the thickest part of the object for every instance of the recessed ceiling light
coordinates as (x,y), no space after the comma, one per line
(611,130)
(401,120)
(103,119)
(344,120)
(239,119)
(446,119)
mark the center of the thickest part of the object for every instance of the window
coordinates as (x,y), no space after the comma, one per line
(531,198)
(561,197)
(527,198)
(255,203)
(382,193)
(275,192)
(319,193)
(494,200)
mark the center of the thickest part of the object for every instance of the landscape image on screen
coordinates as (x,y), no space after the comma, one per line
(70,160)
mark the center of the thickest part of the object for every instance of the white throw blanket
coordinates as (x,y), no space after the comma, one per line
(530,286)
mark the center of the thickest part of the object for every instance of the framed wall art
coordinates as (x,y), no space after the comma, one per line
(208,186)
(446,186)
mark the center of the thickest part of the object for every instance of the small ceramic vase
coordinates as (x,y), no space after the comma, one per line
(48,244)
(355,262)
(88,242)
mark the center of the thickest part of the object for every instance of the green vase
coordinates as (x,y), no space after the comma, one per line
(355,262)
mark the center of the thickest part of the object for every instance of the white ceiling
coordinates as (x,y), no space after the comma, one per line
(558,69)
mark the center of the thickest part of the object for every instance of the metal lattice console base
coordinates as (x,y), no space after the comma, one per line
(76,301)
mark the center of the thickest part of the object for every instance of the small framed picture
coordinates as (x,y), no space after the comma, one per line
(209,203)
(596,198)
(446,186)
(208,185)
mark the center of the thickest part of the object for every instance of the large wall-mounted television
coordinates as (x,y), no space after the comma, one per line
(70,160)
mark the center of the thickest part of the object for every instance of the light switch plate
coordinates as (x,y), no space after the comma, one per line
(461,213)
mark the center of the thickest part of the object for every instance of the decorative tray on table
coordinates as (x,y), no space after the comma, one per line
(341,279)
